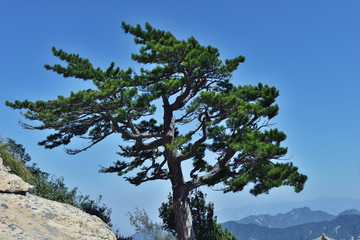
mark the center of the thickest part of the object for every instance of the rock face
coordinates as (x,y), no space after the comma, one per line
(11,183)
(25,216)
(32,217)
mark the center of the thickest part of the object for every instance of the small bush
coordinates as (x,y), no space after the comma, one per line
(95,208)
(11,161)
(54,189)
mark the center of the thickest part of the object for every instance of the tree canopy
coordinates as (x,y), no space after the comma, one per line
(182,107)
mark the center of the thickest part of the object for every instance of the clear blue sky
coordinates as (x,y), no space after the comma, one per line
(309,50)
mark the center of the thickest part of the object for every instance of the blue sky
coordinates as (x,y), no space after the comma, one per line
(309,50)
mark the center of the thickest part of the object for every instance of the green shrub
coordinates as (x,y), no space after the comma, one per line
(11,161)
(54,189)
(95,208)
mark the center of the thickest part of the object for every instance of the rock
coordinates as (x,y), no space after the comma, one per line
(2,167)
(32,217)
(11,183)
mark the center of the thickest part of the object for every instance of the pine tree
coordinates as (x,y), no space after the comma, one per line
(201,112)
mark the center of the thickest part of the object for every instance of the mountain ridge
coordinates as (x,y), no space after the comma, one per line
(331,205)
(342,227)
(295,217)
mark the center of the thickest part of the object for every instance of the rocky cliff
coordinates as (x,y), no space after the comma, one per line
(25,216)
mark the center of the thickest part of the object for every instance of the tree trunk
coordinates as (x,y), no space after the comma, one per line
(183,218)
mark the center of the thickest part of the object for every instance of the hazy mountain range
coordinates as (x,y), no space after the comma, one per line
(294,217)
(330,205)
(345,227)
(300,223)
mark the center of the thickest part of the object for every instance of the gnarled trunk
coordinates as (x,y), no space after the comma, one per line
(183,218)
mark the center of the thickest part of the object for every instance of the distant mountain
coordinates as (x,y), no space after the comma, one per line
(343,227)
(294,217)
(350,212)
(140,236)
(143,236)
(330,205)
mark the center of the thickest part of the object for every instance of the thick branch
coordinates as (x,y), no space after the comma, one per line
(223,161)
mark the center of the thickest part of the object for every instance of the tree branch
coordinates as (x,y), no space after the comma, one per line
(221,163)
(76,151)
(199,141)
